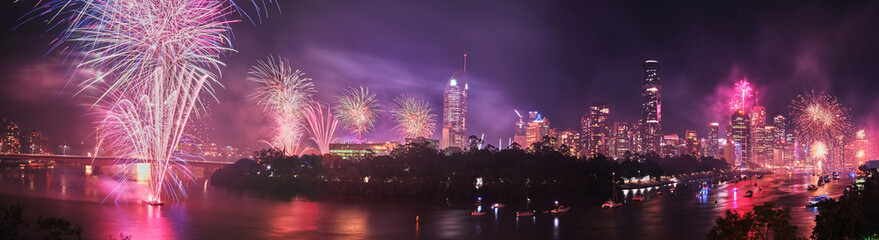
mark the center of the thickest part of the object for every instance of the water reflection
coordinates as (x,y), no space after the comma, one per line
(215,213)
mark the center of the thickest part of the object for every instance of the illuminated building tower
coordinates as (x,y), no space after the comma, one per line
(740,135)
(713,134)
(671,145)
(764,145)
(455,110)
(779,129)
(758,121)
(692,143)
(599,131)
(536,130)
(584,136)
(638,136)
(651,106)
(622,140)
(10,137)
(571,140)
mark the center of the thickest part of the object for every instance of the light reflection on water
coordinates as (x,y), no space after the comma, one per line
(213,213)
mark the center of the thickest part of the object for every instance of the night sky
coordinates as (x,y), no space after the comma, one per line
(550,56)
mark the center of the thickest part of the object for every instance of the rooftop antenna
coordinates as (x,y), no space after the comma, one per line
(465,62)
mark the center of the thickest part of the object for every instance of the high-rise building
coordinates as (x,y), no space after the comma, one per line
(623,140)
(692,143)
(638,136)
(740,135)
(598,134)
(571,140)
(764,145)
(584,136)
(713,135)
(455,110)
(758,121)
(536,130)
(651,106)
(671,145)
(10,137)
(779,128)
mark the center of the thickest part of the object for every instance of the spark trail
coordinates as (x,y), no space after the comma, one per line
(358,111)
(413,117)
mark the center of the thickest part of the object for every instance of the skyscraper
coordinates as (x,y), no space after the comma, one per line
(779,128)
(622,139)
(536,130)
(571,140)
(692,142)
(740,135)
(10,137)
(713,134)
(599,131)
(455,110)
(651,106)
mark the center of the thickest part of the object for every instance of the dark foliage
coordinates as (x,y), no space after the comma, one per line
(417,170)
(764,222)
(854,216)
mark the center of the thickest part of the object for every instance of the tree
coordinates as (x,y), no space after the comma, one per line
(11,221)
(59,228)
(764,222)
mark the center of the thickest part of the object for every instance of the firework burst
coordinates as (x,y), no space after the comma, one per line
(413,117)
(284,94)
(358,111)
(742,92)
(154,58)
(322,125)
(820,117)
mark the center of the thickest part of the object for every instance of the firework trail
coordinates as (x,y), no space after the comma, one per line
(134,129)
(322,126)
(284,94)
(358,111)
(154,59)
(742,92)
(413,117)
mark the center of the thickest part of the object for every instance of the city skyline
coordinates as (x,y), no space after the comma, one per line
(500,82)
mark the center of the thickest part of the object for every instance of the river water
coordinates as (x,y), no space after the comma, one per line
(216,213)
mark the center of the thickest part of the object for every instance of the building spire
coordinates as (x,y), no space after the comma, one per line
(465,62)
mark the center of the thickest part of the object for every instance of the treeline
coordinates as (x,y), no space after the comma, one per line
(416,170)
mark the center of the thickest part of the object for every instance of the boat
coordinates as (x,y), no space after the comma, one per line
(820,183)
(812,187)
(560,209)
(154,203)
(525,213)
(611,204)
(477,213)
(638,198)
(498,205)
(813,201)
(835,175)
(749,193)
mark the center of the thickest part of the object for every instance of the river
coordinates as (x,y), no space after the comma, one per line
(216,213)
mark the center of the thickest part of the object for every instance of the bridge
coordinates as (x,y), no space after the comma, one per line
(208,166)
